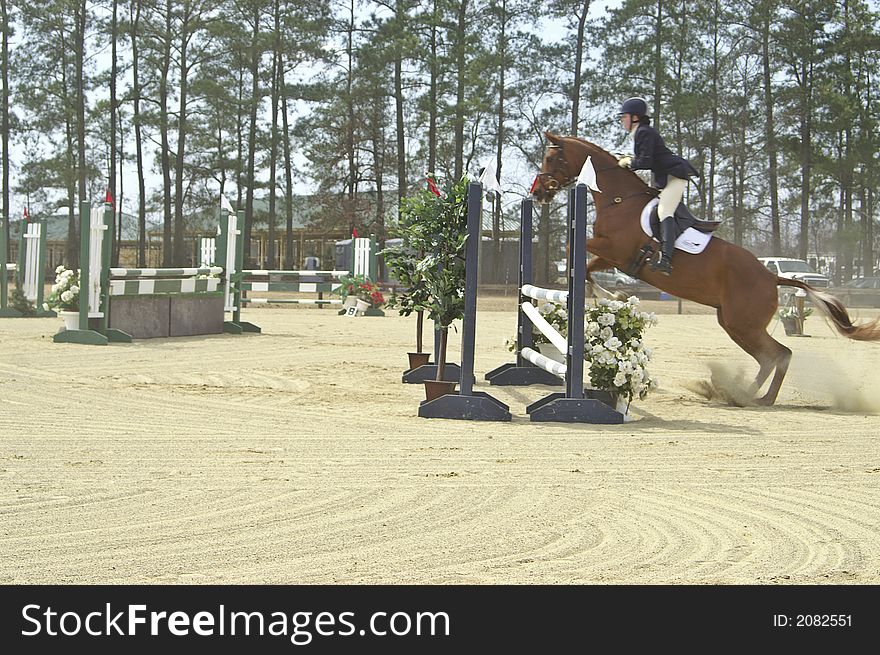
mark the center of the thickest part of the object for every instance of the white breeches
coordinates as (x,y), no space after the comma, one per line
(670,196)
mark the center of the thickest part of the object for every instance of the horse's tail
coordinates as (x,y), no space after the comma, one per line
(834,311)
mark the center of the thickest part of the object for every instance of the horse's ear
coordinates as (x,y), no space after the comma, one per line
(555,139)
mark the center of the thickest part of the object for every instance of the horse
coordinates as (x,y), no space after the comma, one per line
(724,276)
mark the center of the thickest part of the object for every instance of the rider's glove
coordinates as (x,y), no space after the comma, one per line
(624,162)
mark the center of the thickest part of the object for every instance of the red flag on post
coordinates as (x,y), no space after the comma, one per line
(534,184)
(354,233)
(433,187)
(27,218)
(109,198)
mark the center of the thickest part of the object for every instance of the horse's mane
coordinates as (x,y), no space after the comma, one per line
(598,151)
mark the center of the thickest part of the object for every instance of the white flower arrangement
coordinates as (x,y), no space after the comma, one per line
(614,348)
(65,291)
(613,345)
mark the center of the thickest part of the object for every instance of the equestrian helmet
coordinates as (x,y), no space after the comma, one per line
(636,106)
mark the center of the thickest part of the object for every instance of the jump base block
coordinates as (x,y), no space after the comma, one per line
(479,406)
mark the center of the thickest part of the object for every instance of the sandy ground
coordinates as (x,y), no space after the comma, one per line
(296,456)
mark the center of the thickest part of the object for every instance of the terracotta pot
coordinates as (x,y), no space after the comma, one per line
(418,359)
(436,388)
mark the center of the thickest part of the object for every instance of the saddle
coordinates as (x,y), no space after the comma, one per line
(691,234)
(683,220)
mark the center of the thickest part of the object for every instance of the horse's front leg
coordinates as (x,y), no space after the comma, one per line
(599,264)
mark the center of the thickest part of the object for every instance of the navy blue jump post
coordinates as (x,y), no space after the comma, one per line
(574,406)
(522,372)
(468,404)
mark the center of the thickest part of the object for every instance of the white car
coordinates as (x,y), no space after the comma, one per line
(613,278)
(608,278)
(795,269)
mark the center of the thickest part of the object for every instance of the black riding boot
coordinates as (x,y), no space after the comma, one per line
(667,245)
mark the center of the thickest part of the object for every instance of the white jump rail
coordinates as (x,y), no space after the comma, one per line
(539,293)
(558,341)
(549,365)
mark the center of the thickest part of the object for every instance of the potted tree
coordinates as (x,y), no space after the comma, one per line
(442,269)
(430,260)
(423,225)
(401,262)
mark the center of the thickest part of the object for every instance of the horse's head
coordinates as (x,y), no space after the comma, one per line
(556,170)
(563,160)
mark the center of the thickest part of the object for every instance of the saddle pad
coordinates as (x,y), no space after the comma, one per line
(691,241)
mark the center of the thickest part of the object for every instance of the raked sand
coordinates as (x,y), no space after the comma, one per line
(296,456)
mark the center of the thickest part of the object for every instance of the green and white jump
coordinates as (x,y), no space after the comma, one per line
(155,301)
(29,270)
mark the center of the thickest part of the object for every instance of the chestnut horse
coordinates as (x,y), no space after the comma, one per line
(724,276)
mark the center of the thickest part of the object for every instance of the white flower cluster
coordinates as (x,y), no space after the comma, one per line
(65,291)
(614,347)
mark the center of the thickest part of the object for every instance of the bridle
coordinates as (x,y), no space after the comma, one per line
(549,180)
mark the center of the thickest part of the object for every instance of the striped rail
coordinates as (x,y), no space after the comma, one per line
(150,281)
(364,262)
(558,341)
(541,361)
(538,293)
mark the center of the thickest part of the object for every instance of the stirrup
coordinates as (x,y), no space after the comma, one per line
(663,266)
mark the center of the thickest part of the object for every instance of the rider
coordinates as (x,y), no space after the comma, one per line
(670,172)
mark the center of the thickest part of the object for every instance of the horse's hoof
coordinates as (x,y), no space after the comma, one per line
(764,401)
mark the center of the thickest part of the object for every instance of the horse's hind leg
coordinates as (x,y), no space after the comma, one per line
(771,356)
(782,362)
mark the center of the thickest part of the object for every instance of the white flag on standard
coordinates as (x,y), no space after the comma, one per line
(488,179)
(225,204)
(588,175)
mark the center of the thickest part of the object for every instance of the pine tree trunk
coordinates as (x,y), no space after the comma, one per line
(578,68)
(434,75)
(4,125)
(164,159)
(252,138)
(116,233)
(770,135)
(273,140)
(461,74)
(288,174)
(138,135)
(179,254)
(80,91)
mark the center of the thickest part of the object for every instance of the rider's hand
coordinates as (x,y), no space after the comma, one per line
(624,162)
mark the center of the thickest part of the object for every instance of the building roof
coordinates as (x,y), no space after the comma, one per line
(57,225)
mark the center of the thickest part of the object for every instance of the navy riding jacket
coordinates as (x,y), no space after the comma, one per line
(651,153)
